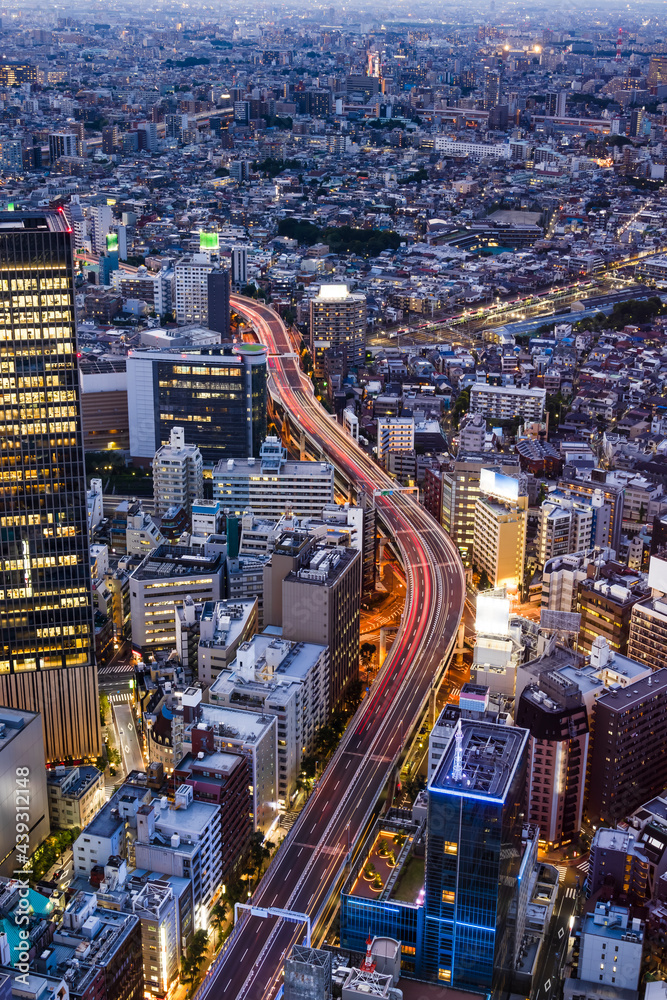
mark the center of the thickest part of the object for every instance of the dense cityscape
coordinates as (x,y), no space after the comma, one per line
(333,502)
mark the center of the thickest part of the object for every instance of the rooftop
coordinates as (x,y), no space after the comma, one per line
(490,756)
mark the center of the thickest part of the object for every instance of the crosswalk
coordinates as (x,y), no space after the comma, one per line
(562,872)
(454,694)
(584,866)
(571,892)
(120,698)
(116,668)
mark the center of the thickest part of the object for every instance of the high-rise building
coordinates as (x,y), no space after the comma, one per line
(648,632)
(178,473)
(394,434)
(337,320)
(557,758)
(499,533)
(217,393)
(62,144)
(321,604)
(46,622)
(239,268)
(473,857)
(460,490)
(21,746)
(191,288)
(606,610)
(219,291)
(628,759)
(657,71)
(636,122)
(492,87)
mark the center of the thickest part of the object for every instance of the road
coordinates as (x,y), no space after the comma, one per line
(128,741)
(305,873)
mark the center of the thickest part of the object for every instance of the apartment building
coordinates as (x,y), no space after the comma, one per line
(178,474)
(505,402)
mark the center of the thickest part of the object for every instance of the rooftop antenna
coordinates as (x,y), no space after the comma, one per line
(457,771)
(368,965)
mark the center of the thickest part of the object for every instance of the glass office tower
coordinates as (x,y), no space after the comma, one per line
(217,394)
(46,625)
(473,857)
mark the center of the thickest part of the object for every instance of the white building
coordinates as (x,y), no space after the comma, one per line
(567,525)
(286,679)
(239,267)
(191,288)
(273,485)
(142,534)
(253,734)
(156,906)
(75,795)
(504,402)
(394,434)
(562,575)
(178,473)
(108,832)
(183,839)
(207,517)
(474,150)
(337,320)
(611,947)
(223,626)
(95,503)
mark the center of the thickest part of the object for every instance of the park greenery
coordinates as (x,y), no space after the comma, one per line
(341,239)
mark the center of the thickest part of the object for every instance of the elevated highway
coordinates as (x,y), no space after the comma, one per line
(308,869)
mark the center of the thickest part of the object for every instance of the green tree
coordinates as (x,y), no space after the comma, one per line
(194,956)
(367,650)
(219,916)
(484,582)
(104,709)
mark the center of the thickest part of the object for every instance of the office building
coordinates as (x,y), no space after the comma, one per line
(103,387)
(156,289)
(337,321)
(472,434)
(183,838)
(626,862)
(394,434)
(211,728)
(223,779)
(100,218)
(46,619)
(557,759)
(321,604)
(657,71)
(569,525)
(21,746)
(217,394)
(219,309)
(191,274)
(647,642)
(290,680)
(156,906)
(505,402)
(460,490)
(613,493)
(178,473)
(239,268)
(62,144)
(473,857)
(475,705)
(499,536)
(492,87)
(606,607)
(562,575)
(611,947)
(109,832)
(223,626)
(11,156)
(163,581)
(75,795)
(274,485)
(628,759)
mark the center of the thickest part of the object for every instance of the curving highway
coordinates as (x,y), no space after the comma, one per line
(305,873)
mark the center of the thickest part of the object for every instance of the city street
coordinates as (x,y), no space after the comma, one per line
(126,729)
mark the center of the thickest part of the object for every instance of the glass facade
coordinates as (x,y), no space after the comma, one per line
(46,623)
(219,399)
(472,868)
(386,918)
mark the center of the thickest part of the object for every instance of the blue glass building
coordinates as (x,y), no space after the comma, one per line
(473,857)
